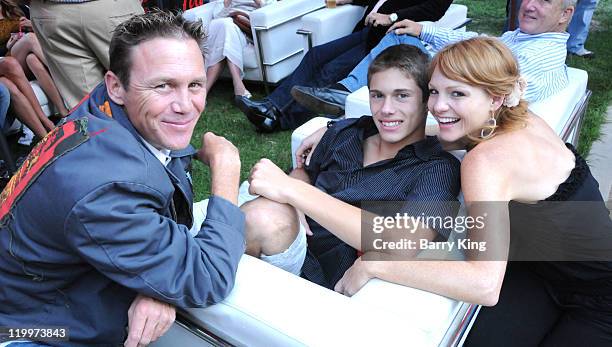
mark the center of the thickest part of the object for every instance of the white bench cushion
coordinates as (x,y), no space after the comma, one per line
(270,307)
(328,24)
(278,13)
(557,109)
(277,24)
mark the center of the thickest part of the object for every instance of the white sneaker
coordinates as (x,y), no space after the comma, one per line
(584,53)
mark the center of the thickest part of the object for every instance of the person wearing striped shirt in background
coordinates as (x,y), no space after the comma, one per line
(539,45)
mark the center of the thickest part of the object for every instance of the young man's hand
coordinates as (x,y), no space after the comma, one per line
(406,26)
(148,319)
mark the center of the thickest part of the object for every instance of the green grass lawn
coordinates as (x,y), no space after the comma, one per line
(222,118)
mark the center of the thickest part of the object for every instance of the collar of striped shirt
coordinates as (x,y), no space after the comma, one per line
(550,36)
(423,149)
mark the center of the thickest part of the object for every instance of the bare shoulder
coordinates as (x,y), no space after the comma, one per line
(492,153)
(486,169)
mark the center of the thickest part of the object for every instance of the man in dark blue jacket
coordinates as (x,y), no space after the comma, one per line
(95,224)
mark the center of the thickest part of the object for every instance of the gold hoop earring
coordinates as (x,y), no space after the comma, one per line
(489,130)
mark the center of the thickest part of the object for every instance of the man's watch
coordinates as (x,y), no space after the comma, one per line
(393,17)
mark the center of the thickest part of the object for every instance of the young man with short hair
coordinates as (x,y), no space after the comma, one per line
(386,157)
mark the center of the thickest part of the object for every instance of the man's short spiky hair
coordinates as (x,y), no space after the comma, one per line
(145,27)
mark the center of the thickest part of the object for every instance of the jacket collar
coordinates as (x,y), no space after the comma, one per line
(553,37)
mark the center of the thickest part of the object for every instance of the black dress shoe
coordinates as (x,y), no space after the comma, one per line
(321,100)
(262,114)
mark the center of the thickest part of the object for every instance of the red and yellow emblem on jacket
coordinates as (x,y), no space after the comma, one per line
(58,142)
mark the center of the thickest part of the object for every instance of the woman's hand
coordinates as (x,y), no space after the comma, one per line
(307,147)
(354,278)
(376,19)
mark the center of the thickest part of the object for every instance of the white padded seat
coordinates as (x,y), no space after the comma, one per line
(270,307)
(328,24)
(557,110)
(274,32)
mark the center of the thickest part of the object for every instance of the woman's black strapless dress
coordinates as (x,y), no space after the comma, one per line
(557,290)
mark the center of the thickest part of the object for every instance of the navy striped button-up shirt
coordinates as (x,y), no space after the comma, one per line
(421,171)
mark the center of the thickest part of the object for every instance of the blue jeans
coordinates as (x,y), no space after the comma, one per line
(5,101)
(359,76)
(579,26)
(321,66)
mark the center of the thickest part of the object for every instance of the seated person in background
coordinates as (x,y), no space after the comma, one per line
(26,49)
(386,157)
(325,64)
(225,43)
(11,17)
(24,101)
(96,222)
(538,45)
(579,28)
(25,61)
